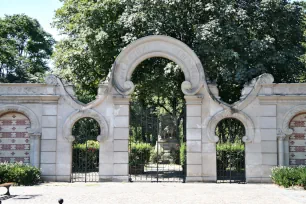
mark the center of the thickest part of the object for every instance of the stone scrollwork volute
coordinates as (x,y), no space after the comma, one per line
(230,113)
(251,94)
(88,113)
(157,46)
(70,138)
(129,87)
(288,117)
(51,80)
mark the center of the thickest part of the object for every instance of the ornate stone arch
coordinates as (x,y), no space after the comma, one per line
(77,115)
(158,46)
(289,116)
(242,117)
(35,125)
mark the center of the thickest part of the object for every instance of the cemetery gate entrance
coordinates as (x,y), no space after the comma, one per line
(157,150)
(85,151)
(230,151)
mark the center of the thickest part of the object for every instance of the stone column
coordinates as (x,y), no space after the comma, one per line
(121,138)
(194,138)
(281,150)
(35,149)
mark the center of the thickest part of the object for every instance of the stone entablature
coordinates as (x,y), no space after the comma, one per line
(27,89)
(265,109)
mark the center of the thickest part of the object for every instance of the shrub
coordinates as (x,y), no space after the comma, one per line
(91,144)
(183,154)
(20,174)
(139,153)
(156,157)
(175,154)
(229,153)
(289,176)
(92,152)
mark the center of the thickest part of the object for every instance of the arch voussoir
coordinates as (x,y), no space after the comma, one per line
(89,113)
(158,46)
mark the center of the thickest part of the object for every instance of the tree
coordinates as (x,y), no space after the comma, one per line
(24,48)
(235,40)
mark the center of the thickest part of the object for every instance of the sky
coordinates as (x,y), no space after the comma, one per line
(42,10)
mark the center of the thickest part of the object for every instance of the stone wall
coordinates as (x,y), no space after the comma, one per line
(265,109)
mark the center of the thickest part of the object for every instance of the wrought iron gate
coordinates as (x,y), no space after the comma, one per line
(230,152)
(152,156)
(85,157)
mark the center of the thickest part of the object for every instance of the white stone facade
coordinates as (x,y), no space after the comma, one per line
(265,109)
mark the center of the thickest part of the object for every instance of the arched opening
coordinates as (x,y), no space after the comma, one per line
(193,87)
(85,151)
(14,138)
(157,122)
(297,140)
(230,151)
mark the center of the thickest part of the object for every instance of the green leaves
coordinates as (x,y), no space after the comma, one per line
(289,176)
(236,40)
(24,48)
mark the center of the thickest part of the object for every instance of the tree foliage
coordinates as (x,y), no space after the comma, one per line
(24,48)
(236,40)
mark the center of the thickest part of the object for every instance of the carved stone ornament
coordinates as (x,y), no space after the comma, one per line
(252,94)
(51,80)
(158,46)
(288,117)
(35,125)
(89,113)
(230,113)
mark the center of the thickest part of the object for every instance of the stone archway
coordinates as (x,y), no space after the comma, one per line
(65,159)
(194,87)
(89,113)
(158,46)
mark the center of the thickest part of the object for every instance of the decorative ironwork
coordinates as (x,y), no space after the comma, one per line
(85,157)
(230,152)
(154,148)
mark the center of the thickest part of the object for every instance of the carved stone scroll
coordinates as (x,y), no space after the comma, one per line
(158,46)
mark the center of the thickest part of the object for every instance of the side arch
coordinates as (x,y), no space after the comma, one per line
(158,46)
(77,115)
(242,117)
(35,125)
(289,116)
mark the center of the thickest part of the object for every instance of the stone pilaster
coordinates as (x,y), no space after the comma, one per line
(194,138)
(281,150)
(35,149)
(121,139)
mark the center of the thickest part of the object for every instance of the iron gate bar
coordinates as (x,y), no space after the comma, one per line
(231,153)
(145,123)
(85,162)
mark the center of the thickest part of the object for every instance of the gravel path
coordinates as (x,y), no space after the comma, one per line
(89,193)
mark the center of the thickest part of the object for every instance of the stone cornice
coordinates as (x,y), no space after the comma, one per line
(29,98)
(121,100)
(24,85)
(282,98)
(194,100)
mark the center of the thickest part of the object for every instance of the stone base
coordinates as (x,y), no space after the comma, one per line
(63,178)
(48,178)
(202,179)
(259,180)
(114,179)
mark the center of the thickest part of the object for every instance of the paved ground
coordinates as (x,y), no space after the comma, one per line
(173,193)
